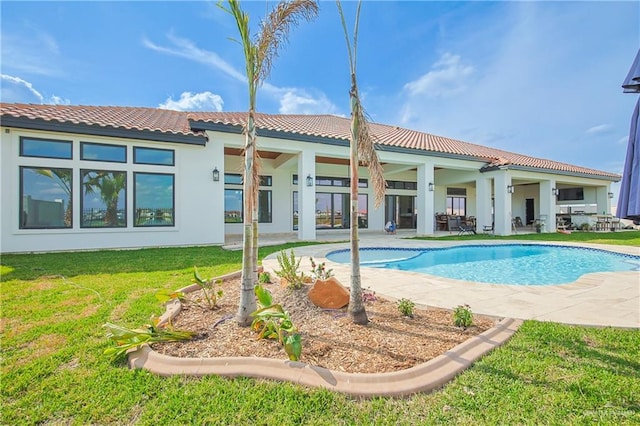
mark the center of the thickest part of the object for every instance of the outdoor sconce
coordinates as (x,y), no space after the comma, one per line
(555,191)
(610,194)
(309,180)
(431,186)
(510,189)
(216,174)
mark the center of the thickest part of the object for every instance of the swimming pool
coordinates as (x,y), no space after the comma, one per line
(521,264)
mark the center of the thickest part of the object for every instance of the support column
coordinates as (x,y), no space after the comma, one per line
(425,200)
(502,208)
(602,200)
(548,205)
(483,203)
(215,208)
(306,196)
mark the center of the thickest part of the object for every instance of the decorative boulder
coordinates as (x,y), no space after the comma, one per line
(329,294)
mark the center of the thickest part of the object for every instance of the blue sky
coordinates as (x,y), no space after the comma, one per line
(538,78)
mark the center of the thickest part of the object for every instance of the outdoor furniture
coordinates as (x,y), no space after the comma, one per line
(464,228)
(488,228)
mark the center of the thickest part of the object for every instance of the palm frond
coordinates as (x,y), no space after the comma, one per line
(275,29)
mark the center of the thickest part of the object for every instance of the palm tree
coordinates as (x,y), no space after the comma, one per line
(362,151)
(108,185)
(259,54)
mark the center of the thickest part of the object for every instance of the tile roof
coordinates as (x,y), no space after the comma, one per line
(320,126)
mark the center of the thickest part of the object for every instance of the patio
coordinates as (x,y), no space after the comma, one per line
(600,299)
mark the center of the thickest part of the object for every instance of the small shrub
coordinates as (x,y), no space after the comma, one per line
(368,295)
(462,316)
(126,338)
(406,306)
(289,269)
(164,295)
(271,321)
(211,295)
(319,271)
(264,278)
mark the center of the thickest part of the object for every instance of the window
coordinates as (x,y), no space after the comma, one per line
(101,152)
(571,194)
(400,184)
(236,179)
(331,181)
(160,157)
(103,202)
(457,201)
(154,199)
(233,206)
(31,147)
(45,198)
(264,206)
(332,211)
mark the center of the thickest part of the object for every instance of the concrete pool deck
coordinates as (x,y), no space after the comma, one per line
(598,299)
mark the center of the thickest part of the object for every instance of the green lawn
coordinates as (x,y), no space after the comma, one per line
(53,371)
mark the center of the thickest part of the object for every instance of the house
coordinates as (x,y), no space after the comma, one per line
(90,177)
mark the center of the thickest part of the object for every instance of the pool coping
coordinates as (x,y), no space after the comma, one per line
(424,377)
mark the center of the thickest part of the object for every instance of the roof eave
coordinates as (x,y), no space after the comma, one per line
(97,130)
(612,178)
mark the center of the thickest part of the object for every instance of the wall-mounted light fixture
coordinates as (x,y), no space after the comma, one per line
(510,189)
(610,194)
(431,186)
(216,174)
(309,180)
(555,191)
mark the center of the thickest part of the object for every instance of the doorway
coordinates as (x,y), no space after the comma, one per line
(400,209)
(529,211)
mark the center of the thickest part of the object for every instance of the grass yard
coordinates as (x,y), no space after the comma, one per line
(53,371)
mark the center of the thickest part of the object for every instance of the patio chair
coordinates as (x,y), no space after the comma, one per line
(464,228)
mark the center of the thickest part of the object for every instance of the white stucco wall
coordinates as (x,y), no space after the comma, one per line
(198,210)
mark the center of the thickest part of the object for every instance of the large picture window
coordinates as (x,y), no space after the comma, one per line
(332,211)
(45,198)
(154,199)
(103,203)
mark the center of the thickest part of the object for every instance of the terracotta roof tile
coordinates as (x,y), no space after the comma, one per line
(323,126)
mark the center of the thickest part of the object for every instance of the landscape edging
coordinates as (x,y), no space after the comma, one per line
(424,377)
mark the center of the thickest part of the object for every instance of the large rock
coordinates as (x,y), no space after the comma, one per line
(329,294)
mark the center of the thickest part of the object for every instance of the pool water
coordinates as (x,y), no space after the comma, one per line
(521,264)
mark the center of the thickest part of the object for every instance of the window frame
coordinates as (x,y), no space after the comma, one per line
(173,201)
(122,147)
(142,148)
(21,224)
(82,173)
(56,141)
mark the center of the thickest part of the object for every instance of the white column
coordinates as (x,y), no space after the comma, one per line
(216,207)
(306,196)
(548,205)
(483,203)
(502,203)
(602,200)
(425,200)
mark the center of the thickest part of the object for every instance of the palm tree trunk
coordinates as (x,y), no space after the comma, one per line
(356,306)
(250,249)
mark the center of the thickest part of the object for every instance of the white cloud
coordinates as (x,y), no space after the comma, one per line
(447,77)
(205,101)
(296,101)
(187,49)
(291,100)
(16,89)
(601,128)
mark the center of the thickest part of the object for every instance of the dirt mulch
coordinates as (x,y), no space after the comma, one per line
(390,342)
